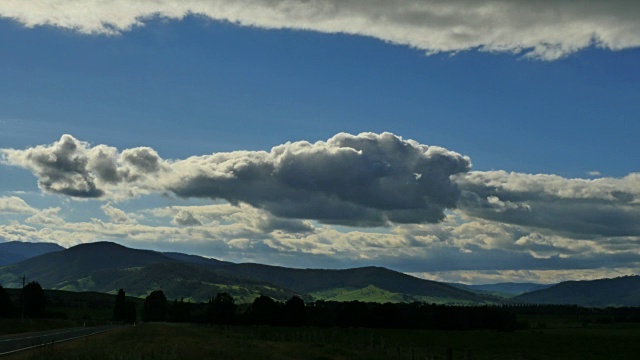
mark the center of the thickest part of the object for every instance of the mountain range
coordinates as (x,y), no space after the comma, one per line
(620,291)
(107,267)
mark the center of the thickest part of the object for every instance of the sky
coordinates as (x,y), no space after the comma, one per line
(464,141)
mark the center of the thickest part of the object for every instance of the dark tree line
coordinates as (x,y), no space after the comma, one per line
(410,316)
(265,311)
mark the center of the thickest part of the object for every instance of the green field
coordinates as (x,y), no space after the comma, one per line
(173,341)
(374,294)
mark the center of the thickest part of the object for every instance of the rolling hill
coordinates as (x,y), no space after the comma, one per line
(54,268)
(620,291)
(321,282)
(106,267)
(15,251)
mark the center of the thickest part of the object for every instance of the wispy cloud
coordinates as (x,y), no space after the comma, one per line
(117,215)
(15,205)
(539,29)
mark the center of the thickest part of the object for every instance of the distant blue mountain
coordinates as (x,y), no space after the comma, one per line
(15,251)
(620,291)
(512,288)
(506,289)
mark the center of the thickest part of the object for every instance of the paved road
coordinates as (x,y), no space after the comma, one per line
(13,343)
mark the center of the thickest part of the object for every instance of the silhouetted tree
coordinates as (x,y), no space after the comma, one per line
(294,312)
(180,311)
(222,309)
(155,307)
(6,306)
(34,300)
(264,310)
(130,312)
(119,307)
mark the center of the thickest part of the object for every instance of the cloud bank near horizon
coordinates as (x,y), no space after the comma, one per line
(454,247)
(545,30)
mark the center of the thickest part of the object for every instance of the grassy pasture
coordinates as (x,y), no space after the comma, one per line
(373,294)
(173,341)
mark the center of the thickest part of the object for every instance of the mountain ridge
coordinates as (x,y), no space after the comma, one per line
(103,265)
(618,291)
(106,267)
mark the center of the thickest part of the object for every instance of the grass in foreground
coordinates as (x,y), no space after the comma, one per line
(169,341)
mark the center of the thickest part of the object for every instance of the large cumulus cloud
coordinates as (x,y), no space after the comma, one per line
(367,180)
(541,29)
(74,168)
(359,180)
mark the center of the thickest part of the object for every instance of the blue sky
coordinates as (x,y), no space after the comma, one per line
(536,179)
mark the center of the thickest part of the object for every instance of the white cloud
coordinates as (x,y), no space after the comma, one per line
(46,217)
(185,218)
(15,205)
(238,233)
(117,215)
(363,180)
(522,276)
(603,207)
(539,29)
(358,180)
(17,232)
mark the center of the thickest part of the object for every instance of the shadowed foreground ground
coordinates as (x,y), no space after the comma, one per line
(170,341)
